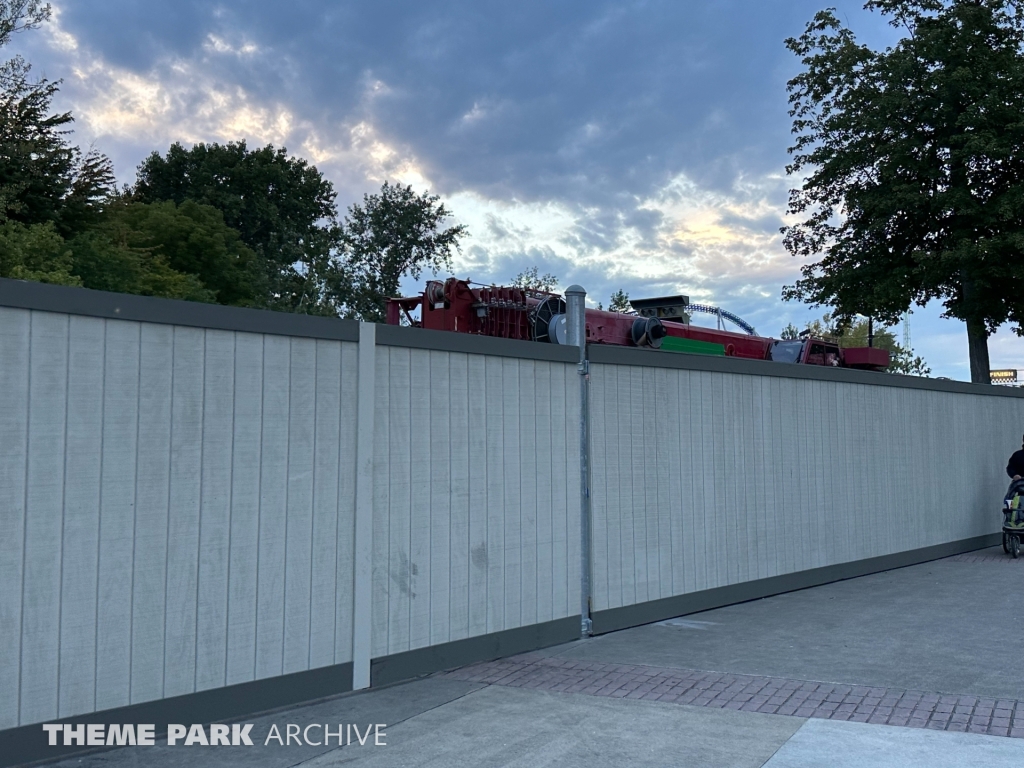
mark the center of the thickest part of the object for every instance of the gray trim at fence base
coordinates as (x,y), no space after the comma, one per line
(23,294)
(472,344)
(28,743)
(614,619)
(435,658)
(606,354)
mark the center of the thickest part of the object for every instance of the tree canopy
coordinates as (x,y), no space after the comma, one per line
(163,249)
(44,178)
(392,234)
(282,207)
(913,160)
(214,222)
(619,302)
(62,221)
(530,279)
(19,15)
(35,253)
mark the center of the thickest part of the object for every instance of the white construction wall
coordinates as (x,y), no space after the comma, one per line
(177,505)
(178,491)
(176,510)
(476,502)
(702,479)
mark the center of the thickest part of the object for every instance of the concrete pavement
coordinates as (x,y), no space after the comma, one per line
(826,676)
(857,745)
(535,729)
(944,626)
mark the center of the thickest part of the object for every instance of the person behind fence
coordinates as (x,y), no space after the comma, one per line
(1015,466)
(1013,505)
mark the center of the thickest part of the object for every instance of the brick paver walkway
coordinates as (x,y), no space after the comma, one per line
(990,555)
(801,698)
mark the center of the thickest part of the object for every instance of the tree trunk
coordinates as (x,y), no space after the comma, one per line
(977,346)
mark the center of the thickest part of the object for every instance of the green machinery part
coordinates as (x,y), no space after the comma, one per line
(676,344)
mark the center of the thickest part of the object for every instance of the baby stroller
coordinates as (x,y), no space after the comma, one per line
(1013,518)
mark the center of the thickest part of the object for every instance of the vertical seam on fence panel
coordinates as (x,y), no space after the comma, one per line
(63,509)
(313,520)
(363,549)
(99,516)
(231,507)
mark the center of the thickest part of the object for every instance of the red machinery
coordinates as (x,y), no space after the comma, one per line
(515,313)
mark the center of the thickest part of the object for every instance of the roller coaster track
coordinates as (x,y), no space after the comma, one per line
(723,315)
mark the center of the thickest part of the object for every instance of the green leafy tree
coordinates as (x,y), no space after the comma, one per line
(619,302)
(392,234)
(913,159)
(17,16)
(43,177)
(105,263)
(92,186)
(530,279)
(35,252)
(282,207)
(163,249)
(790,332)
(36,161)
(184,252)
(61,221)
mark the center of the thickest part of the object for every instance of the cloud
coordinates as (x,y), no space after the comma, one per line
(530,100)
(597,142)
(712,246)
(635,144)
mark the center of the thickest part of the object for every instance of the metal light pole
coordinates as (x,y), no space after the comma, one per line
(575,299)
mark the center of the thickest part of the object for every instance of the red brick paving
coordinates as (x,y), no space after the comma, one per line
(990,555)
(750,693)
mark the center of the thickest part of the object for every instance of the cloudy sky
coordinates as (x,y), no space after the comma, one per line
(636,144)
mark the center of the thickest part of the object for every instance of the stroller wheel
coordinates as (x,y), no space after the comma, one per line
(1006,542)
(1015,545)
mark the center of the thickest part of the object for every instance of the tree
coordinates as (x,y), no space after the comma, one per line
(105,263)
(35,160)
(790,332)
(914,163)
(530,279)
(43,177)
(619,302)
(17,16)
(36,253)
(281,206)
(184,252)
(92,186)
(61,221)
(392,234)
(163,249)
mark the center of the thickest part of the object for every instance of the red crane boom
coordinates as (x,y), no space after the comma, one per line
(531,315)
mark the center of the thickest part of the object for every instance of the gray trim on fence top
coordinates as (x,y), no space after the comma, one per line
(22,294)
(614,355)
(449,341)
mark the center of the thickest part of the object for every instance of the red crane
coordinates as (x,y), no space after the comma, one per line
(532,315)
